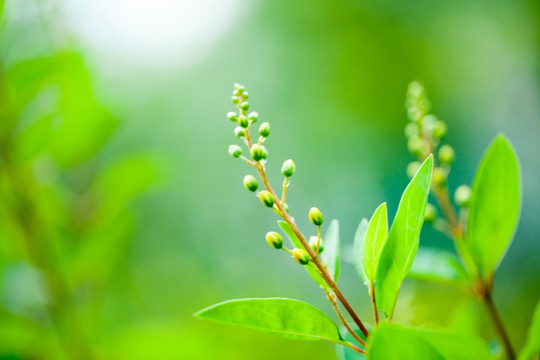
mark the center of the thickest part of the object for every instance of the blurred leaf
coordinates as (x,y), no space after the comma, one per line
(438,266)
(331,249)
(346,353)
(531,350)
(494,207)
(397,342)
(402,243)
(285,317)
(298,244)
(374,240)
(358,249)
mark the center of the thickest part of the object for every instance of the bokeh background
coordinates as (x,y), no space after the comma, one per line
(122,212)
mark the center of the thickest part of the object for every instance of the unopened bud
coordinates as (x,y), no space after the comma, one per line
(258,152)
(244,106)
(250,183)
(412,168)
(462,196)
(428,122)
(412,130)
(245,95)
(431,213)
(439,177)
(286,207)
(418,146)
(239,132)
(274,240)
(235,151)
(301,256)
(238,91)
(235,100)
(447,155)
(238,86)
(243,121)
(315,242)
(439,129)
(288,168)
(232,116)
(267,198)
(264,129)
(253,117)
(315,216)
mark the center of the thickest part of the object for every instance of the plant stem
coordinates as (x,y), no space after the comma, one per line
(374,304)
(335,305)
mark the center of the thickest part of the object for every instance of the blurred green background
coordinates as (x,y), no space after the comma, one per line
(122,213)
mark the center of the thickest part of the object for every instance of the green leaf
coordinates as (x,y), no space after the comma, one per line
(358,250)
(298,244)
(531,350)
(494,207)
(346,353)
(438,266)
(376,235)
(331,249)
(402,243)
(397,342)
(285,317)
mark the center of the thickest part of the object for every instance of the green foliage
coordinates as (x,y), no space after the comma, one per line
(531,349)
(402,243)
(284,317)
(494,206)
(331,249)
(345,353)
(401,343)
(358,249)
(439,266)
(374,240)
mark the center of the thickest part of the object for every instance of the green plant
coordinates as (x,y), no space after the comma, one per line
(384,256)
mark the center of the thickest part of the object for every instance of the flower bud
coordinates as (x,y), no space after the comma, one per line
(439,177)
(418,146)
(274,240)
(288,168)
(286,207)
(264,129)
(301,256)
(235,151)
(243,121)
(439,129)
(428,122)
(250,183)
(414,113)
(244,106)
(447,155)
(235,100)
(314,241)
(412,168)
(258,152)
(412,130)
(245,95)
(239,132)
(237,86)
(266,198)
(462,196)
(431,213)
(315,216)
(238,91)
(232,116)
(253,117)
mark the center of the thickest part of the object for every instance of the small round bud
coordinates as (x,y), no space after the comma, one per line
(428,122)
(274,240)
(244,106)
(431,213)
(239,132)
(418,146)
(414,113)
(286,207)
(253,117)
(264,129)
(243,121)
(412,130)
(439,177)
(245,95)
(462,196)
(314,241)
(447,155)
(237,85)
(288,168)
(412,168)
(235,151)
(267,198)
(439,129)
(235,100)
(258,152)
(315,216)
(250,183)
(232,116)
(238,91)
(301,256)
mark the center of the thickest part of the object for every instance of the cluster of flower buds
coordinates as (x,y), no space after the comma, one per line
(258,156)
